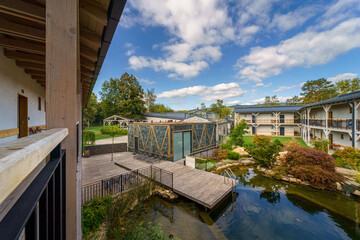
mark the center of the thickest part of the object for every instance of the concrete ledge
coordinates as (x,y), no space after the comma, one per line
(105,148)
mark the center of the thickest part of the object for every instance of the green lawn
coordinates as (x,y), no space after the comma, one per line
(98,135)
(248,139)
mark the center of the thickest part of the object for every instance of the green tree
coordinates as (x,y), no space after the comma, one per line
(271,101)
(348,85)
(237,134)
(318,90)
(161,108)
(263,150)
(219,108)
(91,110)
(123,96)
(295,100)
(112,130)
(149,98)
(203,107)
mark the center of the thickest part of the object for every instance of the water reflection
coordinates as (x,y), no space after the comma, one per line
(262,208)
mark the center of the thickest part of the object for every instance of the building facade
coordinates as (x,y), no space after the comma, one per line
(336,119)
(51,53)
(171,141)
(271,121)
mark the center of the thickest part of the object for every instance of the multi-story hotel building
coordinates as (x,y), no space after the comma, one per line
(336,119)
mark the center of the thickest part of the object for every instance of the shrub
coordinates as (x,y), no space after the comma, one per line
(124,131)
(236,135)
(221,154)
(322,145)
(292,143)
(227,145)
(347,157)
(94,213)
(315,166)
(233,155)
(89,137)
(263,150)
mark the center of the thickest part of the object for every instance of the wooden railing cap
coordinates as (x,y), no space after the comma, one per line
(20,157)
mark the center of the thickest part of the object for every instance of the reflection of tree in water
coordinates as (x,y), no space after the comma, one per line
(271,197)
(271,188)
(304,204)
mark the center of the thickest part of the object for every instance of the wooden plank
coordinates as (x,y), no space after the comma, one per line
(35,72)
(19,157)
(87,72)
(89,36)
(62,100)
(87,53)
(23,56)
(20,30)
(94,11)
(22,45)
(9,132)
(23,10)
(32,66)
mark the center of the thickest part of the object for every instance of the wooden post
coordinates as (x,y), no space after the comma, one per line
(62,94)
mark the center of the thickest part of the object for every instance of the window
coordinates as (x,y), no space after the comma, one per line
(350,109)
(39,103)
(342,136)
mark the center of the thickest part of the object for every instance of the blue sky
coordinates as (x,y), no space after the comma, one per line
(194,51)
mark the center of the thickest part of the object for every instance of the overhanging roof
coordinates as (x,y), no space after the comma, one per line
(341,98)
(23,25)
(281,108)
(174,115)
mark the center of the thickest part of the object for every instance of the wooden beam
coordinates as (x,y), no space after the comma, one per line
(62,108)
(88,53)
(94,11)
(9,132)
(20,30)
(35,72)
(32,66)
(87,63)
(23,56)
(38,78)
(22,45)
(89,36)
(85,78)
(87,72)
(23,10)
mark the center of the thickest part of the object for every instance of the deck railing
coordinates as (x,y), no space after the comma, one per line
(33,202)
(340,123)
(125,182)
(317,122)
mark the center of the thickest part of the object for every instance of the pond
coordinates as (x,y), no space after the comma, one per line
(261,208)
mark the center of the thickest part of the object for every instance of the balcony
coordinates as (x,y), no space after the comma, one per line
(317,122)
(340,123)
(32,189)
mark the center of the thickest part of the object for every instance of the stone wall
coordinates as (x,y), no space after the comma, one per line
(105,148)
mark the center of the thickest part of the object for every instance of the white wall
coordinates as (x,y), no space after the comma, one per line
(12,80)
(156,119)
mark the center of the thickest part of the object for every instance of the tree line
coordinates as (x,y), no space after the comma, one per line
(122,96)
(317,90)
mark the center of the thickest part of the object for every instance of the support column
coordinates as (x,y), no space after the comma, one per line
(63,108)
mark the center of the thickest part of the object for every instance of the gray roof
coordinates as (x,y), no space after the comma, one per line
(173,115)
(280,108)
(341,98)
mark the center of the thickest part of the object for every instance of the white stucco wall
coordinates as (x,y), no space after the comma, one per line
(12,80)
(156,119)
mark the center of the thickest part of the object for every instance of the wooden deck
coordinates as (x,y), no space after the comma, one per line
(204,188)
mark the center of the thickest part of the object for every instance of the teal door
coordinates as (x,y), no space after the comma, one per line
(182,145)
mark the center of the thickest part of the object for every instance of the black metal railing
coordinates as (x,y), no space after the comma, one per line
(125,182)
(340,123)
(317,122)
(39,213)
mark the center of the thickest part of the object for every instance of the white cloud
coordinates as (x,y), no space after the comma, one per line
(305,49)
(343,76)
(298,17)
(197,28)
(234,102)
(146,81)
(221,91)
(283,88)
